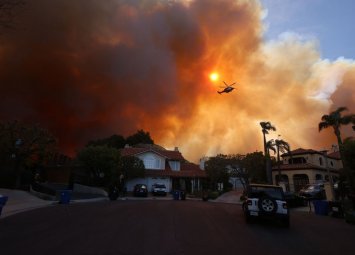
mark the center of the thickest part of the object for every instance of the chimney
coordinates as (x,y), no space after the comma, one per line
(176,149)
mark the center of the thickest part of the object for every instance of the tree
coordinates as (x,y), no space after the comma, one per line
(7,12)
(24,146)
(244,167)
(336,120)
(254,164)
(265,128)
(281,146)
(114,141)
(139,137)
(101,162)
(349,159)
(131,167)
(217,170)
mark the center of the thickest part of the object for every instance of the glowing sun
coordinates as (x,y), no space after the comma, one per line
(214,76)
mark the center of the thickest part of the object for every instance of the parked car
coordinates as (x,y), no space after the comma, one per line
(267,202)
(159,189)
(313,191)
(140,190)
(294,200)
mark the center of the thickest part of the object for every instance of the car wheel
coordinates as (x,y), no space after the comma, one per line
(267,205)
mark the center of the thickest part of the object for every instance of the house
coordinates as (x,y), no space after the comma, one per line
(304,166)
(165,166)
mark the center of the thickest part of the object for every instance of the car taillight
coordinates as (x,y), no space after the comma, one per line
(284,205)
(249,202)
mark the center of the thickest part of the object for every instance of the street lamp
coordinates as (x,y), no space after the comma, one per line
(329,174)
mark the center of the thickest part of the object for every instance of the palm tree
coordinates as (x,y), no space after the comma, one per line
(281,146)
(266,127)
(270,145)
(336,120)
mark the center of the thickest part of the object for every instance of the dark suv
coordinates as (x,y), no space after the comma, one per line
(266,201)
(140,190)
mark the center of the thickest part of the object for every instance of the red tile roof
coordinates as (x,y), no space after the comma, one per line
(170,173)
(187,169)
(172,155)
(305,166)
(301,151)
(334,155)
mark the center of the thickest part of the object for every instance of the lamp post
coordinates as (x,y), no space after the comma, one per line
(16,156)
(329,174)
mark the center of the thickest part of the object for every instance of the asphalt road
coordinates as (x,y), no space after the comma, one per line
(167,227)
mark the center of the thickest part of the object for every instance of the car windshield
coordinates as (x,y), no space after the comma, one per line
(159,185)
(312,187)
(258,191)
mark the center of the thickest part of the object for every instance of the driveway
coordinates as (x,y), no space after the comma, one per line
(167,227)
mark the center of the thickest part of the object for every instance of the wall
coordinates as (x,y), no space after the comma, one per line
(311,173)
(87,189)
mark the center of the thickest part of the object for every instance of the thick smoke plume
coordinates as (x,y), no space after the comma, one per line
(89,69)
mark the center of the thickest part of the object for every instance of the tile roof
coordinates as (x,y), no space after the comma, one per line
(170,173)
(301,151)
(305,166)
(172,155)
(334,155)
(187,169)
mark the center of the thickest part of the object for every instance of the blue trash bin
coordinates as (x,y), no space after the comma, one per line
(3,200)
(321,207)
(176,194)
(64,196)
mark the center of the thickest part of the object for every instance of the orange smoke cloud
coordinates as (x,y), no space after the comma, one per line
(87,70)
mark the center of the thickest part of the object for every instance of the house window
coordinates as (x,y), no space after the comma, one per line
(331,163)
(320,161)
(151,163)
(174,165)
(300,160)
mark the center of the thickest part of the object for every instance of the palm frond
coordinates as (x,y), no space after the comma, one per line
(266,125)
(270,145)
(282,145)
(326,118)
(347,119)
(340,109)
(323,125)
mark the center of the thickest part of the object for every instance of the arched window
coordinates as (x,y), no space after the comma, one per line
(319,177)
(300,180)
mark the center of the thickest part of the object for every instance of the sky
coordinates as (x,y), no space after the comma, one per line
(327,21)
(88,69)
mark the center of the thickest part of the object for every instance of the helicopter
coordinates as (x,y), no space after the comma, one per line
(228,88)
